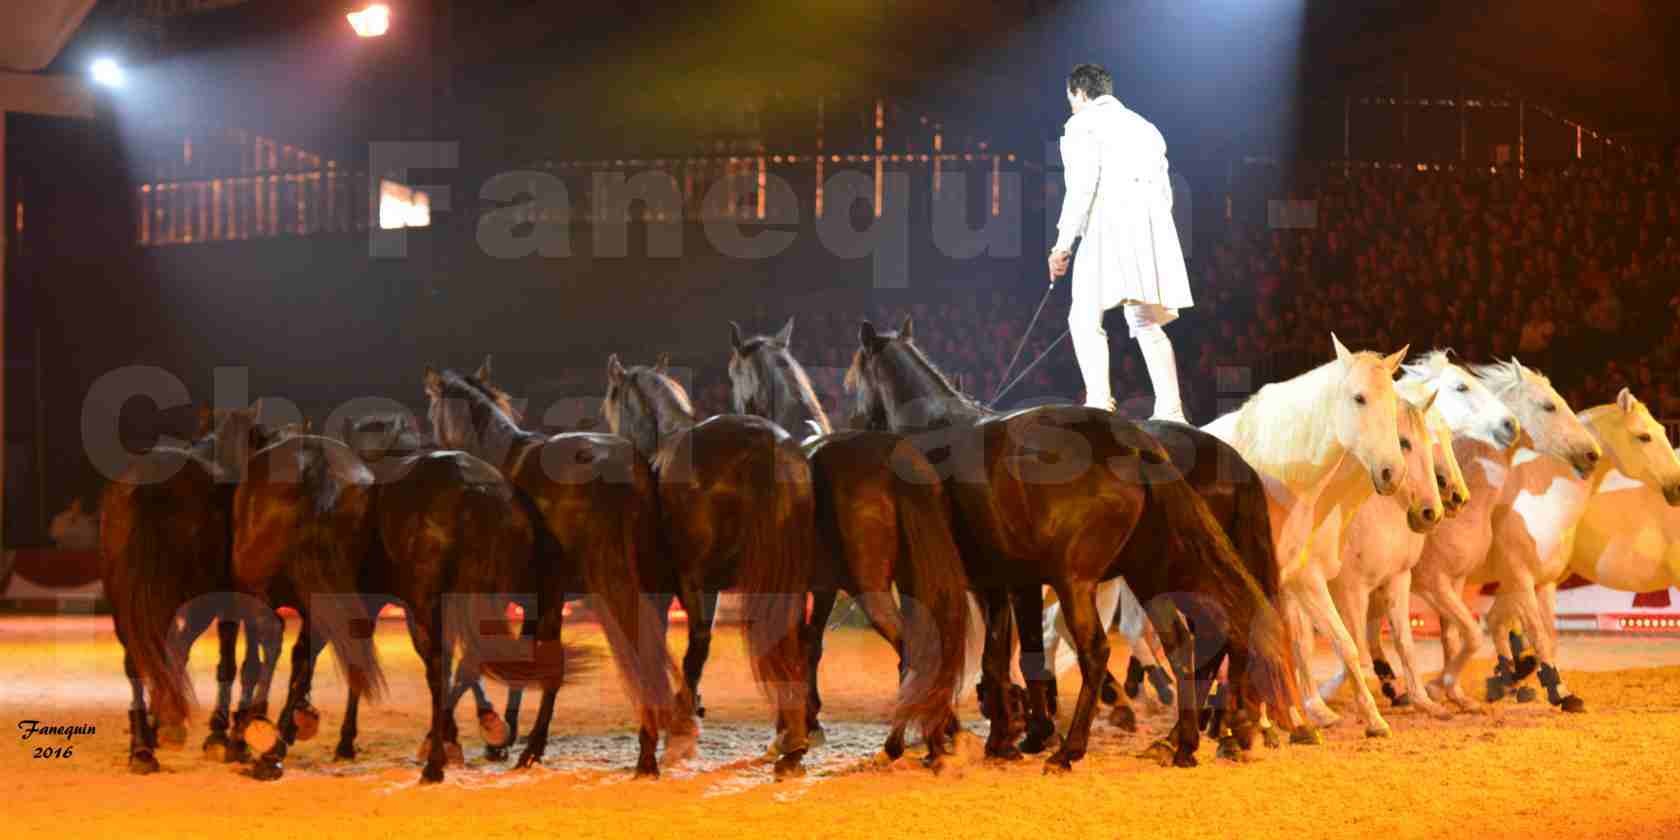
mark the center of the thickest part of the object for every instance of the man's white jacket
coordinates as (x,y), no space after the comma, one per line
(1119,199)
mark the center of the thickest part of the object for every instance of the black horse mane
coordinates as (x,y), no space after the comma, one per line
(917,361)
(482,405)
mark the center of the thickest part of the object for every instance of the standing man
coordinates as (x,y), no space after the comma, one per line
(1119,199)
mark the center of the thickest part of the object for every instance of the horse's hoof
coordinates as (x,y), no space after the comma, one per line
(1230,749)
(215,746)
(492,728)
(453,755)
(1524,666)
(1039,733)
(1436,691)
(647,768)
(237,752)
(261,736)
(894,747)
(143,763)
(1377,731)
(1058,763)
(308,722)
(1003,752)
(1110,693)
(1159,752)
(1573,704)
(1124,718)
(816,737)
(431,775)
(267,769)
(172,736)
(790,766)
(1306,736)
(346,751)
(528,759)
(1527,694)
(1398,701)
(1269,737)
(1184,759)
(1322,716)
(495,754)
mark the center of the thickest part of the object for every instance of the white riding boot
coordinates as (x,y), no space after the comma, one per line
(1090,347)
(1159,360)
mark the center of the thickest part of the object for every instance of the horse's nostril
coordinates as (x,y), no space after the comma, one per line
(1387,475)
(1430,515)
(1592,456)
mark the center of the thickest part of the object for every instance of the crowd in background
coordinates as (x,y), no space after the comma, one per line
(1575,270)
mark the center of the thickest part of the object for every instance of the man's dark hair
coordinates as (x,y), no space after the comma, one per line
(1092,79)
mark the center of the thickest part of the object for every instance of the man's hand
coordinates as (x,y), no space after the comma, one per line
(1059,262)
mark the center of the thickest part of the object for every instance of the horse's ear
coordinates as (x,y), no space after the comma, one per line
(663,364)
(434,383)
(1626,401)
(1343,354)
(615,369)
(1431,401)
(905,330)
(867,335)
(735,337)
(483,373)
(786,335)
(1395,359)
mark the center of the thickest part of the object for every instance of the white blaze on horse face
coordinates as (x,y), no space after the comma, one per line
(1421,491)
(1365,412)
(1637,444)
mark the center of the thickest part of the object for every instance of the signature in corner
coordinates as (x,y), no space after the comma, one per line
(30,728)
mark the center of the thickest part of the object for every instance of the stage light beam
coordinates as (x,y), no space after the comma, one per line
(107,72)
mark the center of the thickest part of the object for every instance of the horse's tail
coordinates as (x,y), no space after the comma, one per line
(936,628)
(1210,566)
(634,630)
(1251,534)
(551,663)
(144,584)
(325,573)
(775,576)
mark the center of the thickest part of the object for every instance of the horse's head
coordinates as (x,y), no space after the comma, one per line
(766,380)
(1423,484)
(863,378)
(377,436)
(1547,420)
(459,407)
(233,434)
(1637,444)
(642,402)
(1467,405)
(1364,412)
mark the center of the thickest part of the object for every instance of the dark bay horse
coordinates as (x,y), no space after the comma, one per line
(450,533)
(736,510)
(1052,496)
(165,534)
(302,535)
(882,518)
(595,500)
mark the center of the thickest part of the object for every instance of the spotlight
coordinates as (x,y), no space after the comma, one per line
(372,21)
(108,72)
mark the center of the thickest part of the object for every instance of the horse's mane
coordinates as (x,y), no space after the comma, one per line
(1284,429)
(803,392)
(917,361)
(671,388)
(487,407)
(1428,366)
(1504,377)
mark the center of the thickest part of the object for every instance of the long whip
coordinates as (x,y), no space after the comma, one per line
(1024,336)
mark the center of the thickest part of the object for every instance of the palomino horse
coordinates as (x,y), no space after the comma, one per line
(883,516)
(1386,534)
(164,535)
(1322,442)
(1052,496)
(1629,538)
(736,509)
(1533,543)
(1459,551)
(594,497)
(452,532)
(302,535)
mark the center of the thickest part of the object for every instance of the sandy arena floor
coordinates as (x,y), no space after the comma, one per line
(1513,771)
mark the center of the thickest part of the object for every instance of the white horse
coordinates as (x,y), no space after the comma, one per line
(1534,543)
(1484,542)
(1629,538)
(1322,443)
(1383,543)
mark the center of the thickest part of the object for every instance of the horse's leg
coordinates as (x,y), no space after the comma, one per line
(1538,612)
(701,607)
(1302,730)
(1399,605)
(425,633)
(994,679)
(227,670)
(822,607)
(1382,602)
(1180,644)
(141,759)
(516,693)
(1079,599)
(1144,661)
(270,765)
(1352,602)
(1323,612)
(551,623)
(1041,681)
(492,729)
(1442,595)
(1501,616)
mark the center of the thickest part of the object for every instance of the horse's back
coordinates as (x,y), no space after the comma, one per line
(305,485)
(176,494)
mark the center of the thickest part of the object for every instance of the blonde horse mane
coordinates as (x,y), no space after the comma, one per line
(1504,377)
(1428,366)
(1285,429)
